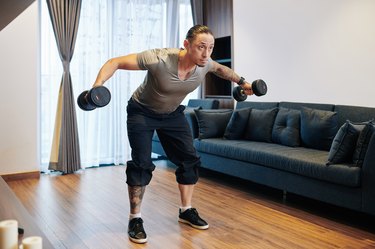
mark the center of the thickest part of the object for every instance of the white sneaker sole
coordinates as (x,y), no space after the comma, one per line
(195,226)
(138,241)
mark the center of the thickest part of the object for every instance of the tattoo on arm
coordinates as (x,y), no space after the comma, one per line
(135,197)
(225,72)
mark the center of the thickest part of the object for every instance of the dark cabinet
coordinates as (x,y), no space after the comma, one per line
(217,15)
(216,87)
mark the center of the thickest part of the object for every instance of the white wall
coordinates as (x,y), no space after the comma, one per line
(19,93)
(307,50)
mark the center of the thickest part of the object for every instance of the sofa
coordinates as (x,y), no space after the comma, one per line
(321,151)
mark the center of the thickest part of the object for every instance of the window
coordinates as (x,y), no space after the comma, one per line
(107,28)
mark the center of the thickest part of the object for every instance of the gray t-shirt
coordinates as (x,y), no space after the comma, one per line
(162,91)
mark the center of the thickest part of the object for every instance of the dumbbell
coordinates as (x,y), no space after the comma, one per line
(96,97)
(259,88)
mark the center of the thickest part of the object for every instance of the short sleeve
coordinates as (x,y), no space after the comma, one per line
(147,58)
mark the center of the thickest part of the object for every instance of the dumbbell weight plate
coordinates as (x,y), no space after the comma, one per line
(259,87)
(99,96)
(83,103)
(238,94)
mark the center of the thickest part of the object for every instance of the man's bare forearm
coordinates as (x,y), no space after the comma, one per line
(106,72)
(226,73)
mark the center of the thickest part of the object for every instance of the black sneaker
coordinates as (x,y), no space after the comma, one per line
(191,217)
(136,232)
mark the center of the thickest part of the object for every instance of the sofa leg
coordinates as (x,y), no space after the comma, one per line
(284,195)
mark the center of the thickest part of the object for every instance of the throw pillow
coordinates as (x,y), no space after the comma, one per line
(318,128)
(286,128)
(344,143)
(237,124)
(260,124)
(192,119)
(362,143)
(212,123)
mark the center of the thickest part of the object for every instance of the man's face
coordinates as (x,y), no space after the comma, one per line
(200,49)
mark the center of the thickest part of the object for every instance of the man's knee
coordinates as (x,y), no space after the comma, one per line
(188,172)
(138,175)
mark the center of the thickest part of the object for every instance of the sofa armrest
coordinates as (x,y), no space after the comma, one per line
(368,178)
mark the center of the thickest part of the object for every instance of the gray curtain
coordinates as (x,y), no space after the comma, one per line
(65,154)
(173,15)
(197,9)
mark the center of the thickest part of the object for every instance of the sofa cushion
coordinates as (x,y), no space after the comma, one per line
(260,124)
(301,105)
(237,124)
(286,127)
(344,143)
(257,105)
(212,123)
(362,143)
(354,113)
(298,160)
(204,103)
(318,128)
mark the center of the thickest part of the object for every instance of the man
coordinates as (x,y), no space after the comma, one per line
(155,105)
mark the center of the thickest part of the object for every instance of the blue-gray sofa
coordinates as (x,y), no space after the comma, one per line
(321,151)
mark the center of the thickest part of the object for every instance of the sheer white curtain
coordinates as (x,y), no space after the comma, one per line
(107,28)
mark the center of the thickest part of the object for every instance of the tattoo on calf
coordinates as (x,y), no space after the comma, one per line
(135,196)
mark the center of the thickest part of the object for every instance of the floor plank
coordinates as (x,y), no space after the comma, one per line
(90,209)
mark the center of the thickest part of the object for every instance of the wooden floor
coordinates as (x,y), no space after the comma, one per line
(90,210)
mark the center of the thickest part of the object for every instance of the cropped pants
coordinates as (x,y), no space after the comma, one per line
(175,136)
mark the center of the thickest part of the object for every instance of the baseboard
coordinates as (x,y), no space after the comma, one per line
(20,176)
